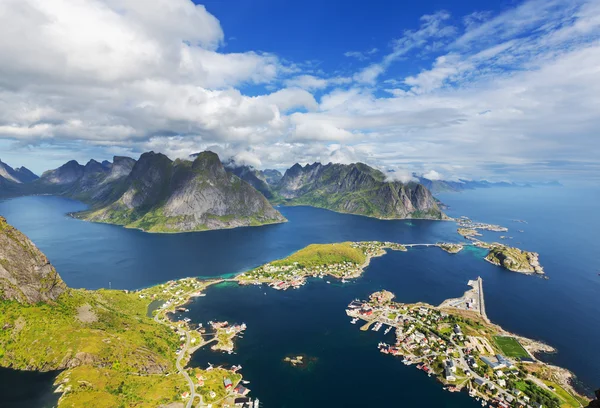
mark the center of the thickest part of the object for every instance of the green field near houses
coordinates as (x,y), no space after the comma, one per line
(511,347)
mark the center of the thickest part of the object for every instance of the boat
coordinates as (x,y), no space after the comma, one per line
(328,282)
(245,382)
(387,330)
(353,321)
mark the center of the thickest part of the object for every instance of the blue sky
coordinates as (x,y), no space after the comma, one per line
(497,90)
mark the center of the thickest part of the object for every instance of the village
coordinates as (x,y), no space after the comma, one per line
(213,386)
(457,345)
(289,273)
(467,223)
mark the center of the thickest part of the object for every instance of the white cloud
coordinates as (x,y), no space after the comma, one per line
(361,56)
(432,34)
(512,93)
(432,175)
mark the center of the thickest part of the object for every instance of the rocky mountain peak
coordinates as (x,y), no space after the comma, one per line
(210,163)
(69,172)
(94,167)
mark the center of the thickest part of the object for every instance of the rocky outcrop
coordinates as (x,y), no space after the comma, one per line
(514,259)
(26,275)
(160,195)
(357,189)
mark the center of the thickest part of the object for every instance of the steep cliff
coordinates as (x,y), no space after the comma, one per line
(165,196)
(26,275)
(358,189)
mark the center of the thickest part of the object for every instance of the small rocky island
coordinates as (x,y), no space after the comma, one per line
(451,248)
(299,361)
(514,259)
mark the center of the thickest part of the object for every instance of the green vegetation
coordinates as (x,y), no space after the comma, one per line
(213,381)
(537,394)
(324,254)
(468,232)
(106,388)
(451,248)
(111,349)
(514,259)
(510,347)
(567,399)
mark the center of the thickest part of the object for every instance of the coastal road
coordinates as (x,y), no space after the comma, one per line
(184,373)
(180,369)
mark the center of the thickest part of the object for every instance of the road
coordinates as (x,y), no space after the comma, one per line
(181,369)
(184,373)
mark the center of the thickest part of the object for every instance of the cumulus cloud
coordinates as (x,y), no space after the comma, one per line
(506,94)
(432,175)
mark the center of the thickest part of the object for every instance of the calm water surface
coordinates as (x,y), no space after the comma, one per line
(563,311)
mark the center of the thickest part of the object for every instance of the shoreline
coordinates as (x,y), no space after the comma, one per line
(566,380)
(425,345)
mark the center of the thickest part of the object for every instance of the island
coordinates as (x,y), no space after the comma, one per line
(468,232)
(345,260)
(515,259)
(456,343)
(450,247)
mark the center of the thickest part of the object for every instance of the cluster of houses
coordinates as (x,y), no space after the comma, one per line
(294,276)
(465,222)
(419,340)
(282,277)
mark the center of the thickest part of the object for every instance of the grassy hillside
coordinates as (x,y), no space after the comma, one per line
(114,355)
(324,254)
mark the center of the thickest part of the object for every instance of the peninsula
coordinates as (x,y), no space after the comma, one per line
(456,343)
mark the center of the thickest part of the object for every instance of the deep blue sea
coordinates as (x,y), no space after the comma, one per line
(563,311)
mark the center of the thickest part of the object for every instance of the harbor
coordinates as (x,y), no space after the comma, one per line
(456,343)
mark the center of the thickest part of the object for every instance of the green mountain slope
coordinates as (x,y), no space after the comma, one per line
(357,189)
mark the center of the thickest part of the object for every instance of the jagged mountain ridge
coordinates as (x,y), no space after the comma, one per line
(357,189)
(18,175)
(26,275)
(161,195)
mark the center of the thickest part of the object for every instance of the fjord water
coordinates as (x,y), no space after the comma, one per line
(563,311)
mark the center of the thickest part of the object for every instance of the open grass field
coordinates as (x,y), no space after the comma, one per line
(324,254)
(511,347)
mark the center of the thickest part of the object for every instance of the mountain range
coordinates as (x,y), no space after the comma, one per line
(157,194)
(348,188)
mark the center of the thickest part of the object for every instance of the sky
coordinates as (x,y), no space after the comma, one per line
(496,90)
